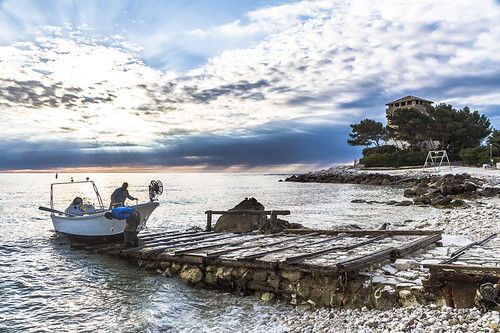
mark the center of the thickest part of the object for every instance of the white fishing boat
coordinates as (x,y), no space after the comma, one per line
(84,220)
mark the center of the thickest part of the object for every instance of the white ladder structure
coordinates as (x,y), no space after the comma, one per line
(436,155)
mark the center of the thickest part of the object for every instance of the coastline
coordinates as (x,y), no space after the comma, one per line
(460,226)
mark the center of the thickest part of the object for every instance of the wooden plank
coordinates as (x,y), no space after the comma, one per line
(298,259)
(191,251)
(202,240)
(148,235)
(100,246)
(397,232)
(222,252)
(185,236)
(415,245)
(156,235)
(296,246)
(175,240)
(468,246)
(368,260)
(209,220)
(464,268)
(457,254)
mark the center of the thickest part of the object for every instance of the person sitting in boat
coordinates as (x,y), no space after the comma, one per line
(119,196)
(78,207)
(74,206)
(132,218)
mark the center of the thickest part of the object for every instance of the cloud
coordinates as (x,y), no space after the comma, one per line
(297,64)
(270,146)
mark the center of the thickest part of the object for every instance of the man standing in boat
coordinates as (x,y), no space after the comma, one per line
(132,218)
(119,196)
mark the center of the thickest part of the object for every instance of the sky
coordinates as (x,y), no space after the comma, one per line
(228,86)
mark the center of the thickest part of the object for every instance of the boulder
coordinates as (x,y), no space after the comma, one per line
(241,222)
(191,274)
(421,190)
(422,200)
(440,201)
(247,222)
(407,298)
(272,227)
(386,298)
(409,193)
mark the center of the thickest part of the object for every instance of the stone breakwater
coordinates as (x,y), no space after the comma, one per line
(446,191)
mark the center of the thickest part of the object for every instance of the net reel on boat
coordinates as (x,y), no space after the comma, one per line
(155,189)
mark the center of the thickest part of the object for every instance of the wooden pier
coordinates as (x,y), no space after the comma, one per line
(337,268)
(320,267)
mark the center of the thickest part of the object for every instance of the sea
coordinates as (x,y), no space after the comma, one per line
(47,286)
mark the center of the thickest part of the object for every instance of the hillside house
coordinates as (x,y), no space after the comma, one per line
(407,103)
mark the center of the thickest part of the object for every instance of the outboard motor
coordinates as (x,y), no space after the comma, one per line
(155,189)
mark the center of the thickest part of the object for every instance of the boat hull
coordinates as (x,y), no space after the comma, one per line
(95,226)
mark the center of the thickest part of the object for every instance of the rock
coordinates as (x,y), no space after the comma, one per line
(409,193)
(404,264)
(192,274)
(210,278)
(421,191)
(176,267)
(267,296)
(244,222)
(458,203)
(422,200)
(292,276)
(224,273)
(386,298)
(440,201)
(407,298)
(386,182)
(248,222)
(271,227)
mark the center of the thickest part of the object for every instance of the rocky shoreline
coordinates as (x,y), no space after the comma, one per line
(479,218)
(477,221)
(441,191)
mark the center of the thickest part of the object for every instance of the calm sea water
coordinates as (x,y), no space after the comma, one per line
(46,286)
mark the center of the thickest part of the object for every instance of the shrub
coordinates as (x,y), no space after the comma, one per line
(379,150)
(395,158)
(475,156)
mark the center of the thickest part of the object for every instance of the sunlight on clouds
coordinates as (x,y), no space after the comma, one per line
(315,62)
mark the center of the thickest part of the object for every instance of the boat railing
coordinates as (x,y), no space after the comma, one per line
(98,196)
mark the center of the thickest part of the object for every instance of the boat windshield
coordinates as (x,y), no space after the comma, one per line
(78,197)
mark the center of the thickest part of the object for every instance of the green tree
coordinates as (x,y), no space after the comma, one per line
(494,141)
(410,125)
(366,133)
(443,124)
(453,129)
(470,128)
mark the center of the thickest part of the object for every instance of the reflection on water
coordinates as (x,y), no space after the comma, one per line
(47,286)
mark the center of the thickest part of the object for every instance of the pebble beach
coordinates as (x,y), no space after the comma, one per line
(460,226)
